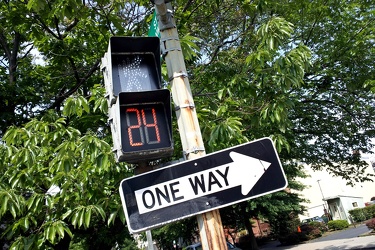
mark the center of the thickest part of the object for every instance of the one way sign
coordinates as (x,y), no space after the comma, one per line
(192,187)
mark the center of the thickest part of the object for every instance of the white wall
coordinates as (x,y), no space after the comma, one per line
(332,186)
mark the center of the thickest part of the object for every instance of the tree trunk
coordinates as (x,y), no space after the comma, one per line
(246,218)
(249,228)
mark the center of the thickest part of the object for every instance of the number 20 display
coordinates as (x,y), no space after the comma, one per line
(144,127)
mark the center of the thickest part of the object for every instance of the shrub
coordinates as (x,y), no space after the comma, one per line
(370,210)
(371,224)
(315,233)
(319,225)
(362,214)
(358,214)
(337,224)
(293,238)
(313,229)
(309,231)
(306,228)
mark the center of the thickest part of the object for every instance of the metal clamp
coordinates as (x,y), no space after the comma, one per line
(165,51)
(168,38)
(189,105)
(177,75)
(194,150)
(165,21)
(162,44)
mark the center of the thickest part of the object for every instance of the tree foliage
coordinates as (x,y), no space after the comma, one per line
(299,72)
(58,180)
(51,49)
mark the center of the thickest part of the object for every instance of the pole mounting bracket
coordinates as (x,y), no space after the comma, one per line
(194,150)
(177,75)
(184,106)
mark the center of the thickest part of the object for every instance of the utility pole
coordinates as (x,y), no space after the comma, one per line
(210,225)
(325,209)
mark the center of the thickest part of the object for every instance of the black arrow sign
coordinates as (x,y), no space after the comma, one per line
(192,187)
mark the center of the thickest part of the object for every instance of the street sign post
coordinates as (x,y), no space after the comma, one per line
(200,185)
(210,227)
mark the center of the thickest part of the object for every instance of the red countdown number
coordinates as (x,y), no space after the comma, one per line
(145,130)
(151,127)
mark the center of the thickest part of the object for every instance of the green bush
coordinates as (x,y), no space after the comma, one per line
(337,224)
(358,214)
(362,214)
(370,210)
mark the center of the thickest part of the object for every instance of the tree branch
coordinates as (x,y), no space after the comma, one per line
(44,26)
(57,27)
(71,26)
(75,71)
(214,54)
(28,51)
(4,44)
(59,99)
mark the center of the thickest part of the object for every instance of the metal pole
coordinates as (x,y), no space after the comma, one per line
(210,226)
(324,204)
(325,209)
(143,168)
(150,244)
(320,189)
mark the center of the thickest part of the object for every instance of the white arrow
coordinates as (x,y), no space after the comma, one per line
(244,171)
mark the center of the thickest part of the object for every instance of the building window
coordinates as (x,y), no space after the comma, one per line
(355,204)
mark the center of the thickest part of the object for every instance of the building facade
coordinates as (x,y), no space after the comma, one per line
(328,193)
(340,205)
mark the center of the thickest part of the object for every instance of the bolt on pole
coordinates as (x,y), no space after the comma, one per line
(210,225)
